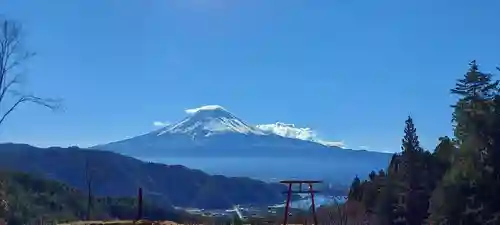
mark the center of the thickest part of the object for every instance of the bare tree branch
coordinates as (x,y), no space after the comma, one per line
(51,104)
(12,55)
(7,87)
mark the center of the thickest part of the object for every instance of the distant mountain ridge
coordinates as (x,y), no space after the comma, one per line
(116,175)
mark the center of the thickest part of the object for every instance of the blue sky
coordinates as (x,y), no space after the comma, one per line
(352,70)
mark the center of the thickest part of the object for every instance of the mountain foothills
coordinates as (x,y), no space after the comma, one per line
(459,182)
(114,175)
(30,199)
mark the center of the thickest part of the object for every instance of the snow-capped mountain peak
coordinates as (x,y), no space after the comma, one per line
(210,120)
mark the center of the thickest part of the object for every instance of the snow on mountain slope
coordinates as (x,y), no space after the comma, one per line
(213,131)
(210,120)
(210,127)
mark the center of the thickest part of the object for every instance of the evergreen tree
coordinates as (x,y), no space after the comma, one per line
(410,142)
(372,176)
(412,203)
(468,182)
(459,182)
(476,107)
(475,90)
(385,205)
(355,191)
(489,158)
(445,151)
(445,202)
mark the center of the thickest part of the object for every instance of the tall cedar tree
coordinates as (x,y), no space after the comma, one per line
(402,198)
(489,157)
(473,118)
(384,207)
(465,194)
(474,90)
(413,205)
(387,197)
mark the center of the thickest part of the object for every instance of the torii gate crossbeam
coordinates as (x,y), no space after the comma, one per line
(289,193)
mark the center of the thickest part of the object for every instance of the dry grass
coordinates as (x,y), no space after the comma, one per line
(351,213)
(128,222)
(120,222)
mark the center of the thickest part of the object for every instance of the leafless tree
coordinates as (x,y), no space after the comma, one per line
(12,57)
(89,180)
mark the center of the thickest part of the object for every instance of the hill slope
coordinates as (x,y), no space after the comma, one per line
(117,175)
(30,199)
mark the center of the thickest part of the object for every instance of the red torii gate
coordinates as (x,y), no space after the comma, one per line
(290,191)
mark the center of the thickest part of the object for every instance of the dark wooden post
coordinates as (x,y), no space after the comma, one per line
(139,205)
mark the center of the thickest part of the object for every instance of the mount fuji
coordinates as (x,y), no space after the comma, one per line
(211,133)
(214,131)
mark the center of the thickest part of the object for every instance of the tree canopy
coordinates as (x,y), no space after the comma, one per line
(458,182)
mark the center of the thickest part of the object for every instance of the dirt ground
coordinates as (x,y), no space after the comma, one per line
(121,222)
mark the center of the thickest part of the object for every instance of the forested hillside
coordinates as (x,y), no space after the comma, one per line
(31,199)
(115,175)
(459,182)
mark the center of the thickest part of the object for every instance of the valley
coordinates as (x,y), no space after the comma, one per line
(176,191)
